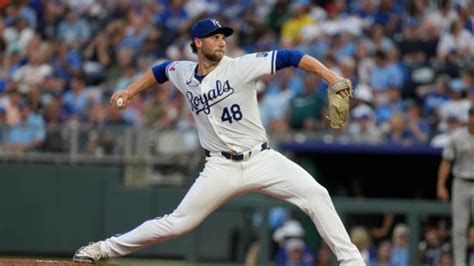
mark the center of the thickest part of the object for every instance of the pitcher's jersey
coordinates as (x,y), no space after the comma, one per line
(224,104)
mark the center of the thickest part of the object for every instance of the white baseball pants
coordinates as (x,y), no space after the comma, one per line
(267,172)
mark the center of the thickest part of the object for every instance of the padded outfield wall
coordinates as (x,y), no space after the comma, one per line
(53,210)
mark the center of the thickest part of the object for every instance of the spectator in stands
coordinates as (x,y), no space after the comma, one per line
(399,133)
(155,112)
(306,109)
(323,255)
(366,10)
(361,238)
(53,14)
(384,75)
(433,96)
(365,62)
(18,35)
(467,77)
(457,106)
(54,139)
(389,15)
(399,253)
(431,247)
(417,126)
(66,62)
(383,254)
(274,107)
(98,55)
(446,259)
(80,99)
(343,47)
(10,104)
(458,40)
(347,66)
(378,40)
(34,72)
(410,43)
(297,254)
(443,16)
(362,128)
(278,14)
(385,111)
(174,18)
(292,250)
(28,133)
(291,34)
(457,155)
(74,30)
(441,139)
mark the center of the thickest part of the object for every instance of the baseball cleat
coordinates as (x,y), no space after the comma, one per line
(89,253)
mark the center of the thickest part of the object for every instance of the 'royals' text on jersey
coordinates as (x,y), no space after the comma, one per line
(224,103)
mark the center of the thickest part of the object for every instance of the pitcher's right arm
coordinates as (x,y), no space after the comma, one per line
(153,76)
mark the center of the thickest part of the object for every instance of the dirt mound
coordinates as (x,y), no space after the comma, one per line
(24,262)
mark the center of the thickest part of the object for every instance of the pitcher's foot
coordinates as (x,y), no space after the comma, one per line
(89,253)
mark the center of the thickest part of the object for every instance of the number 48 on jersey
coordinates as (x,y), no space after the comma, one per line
(231,114)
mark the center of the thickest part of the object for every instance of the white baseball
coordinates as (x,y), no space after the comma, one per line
(119,102)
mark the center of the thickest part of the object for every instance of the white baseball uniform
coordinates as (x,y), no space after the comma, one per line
(225,108)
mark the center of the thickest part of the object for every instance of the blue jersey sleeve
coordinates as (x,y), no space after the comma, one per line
(159,71)
(286,58)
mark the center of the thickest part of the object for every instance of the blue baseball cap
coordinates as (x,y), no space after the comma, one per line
(208,27)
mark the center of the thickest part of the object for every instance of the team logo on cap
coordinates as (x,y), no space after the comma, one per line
(216,23)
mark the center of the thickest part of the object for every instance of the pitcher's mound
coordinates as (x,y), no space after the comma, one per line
(24,262)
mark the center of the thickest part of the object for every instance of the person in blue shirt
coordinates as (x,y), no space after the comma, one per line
(399,254)
(29,133)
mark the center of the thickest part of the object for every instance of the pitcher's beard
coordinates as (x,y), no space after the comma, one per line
(214,57)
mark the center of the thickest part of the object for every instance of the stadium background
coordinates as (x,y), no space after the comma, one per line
(75,170)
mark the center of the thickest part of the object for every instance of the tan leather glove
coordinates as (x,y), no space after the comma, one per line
(339,105)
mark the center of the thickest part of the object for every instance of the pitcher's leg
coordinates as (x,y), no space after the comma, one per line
(218,183)
(461,214)
(284,179)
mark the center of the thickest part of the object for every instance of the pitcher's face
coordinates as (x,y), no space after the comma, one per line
(212,47)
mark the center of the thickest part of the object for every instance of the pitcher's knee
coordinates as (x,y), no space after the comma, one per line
(179,224)
(183,228)
(169,226)
(321,191)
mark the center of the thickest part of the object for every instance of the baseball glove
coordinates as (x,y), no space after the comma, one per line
(339,105)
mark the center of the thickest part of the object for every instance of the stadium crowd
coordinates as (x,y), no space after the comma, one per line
(411,64)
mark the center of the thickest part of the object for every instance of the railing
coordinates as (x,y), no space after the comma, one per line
(148,155)
(76,142)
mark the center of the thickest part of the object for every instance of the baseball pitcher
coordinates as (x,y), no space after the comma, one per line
(221,93)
